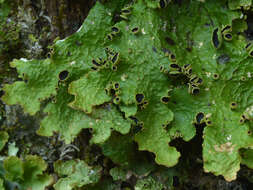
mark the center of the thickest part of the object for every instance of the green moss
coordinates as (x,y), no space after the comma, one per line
(9,31)
(74,174)
(27,174)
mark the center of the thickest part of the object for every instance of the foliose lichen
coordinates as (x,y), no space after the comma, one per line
(153,71)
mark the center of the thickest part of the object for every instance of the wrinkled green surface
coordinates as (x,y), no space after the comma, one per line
(237,4)
(82,102)
(148,184)
(27,174)
(40,82)
(75,173)
(247,157)
(42,76)
(126,155)
(69,122)
(1,184)
(106,184)
(14,169)
(118,174)
(3,139)
(89,91)
(216,95)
